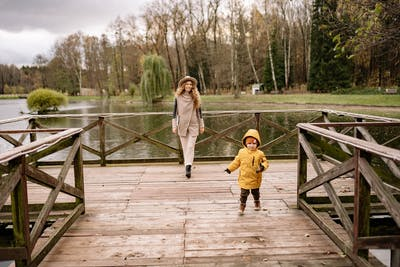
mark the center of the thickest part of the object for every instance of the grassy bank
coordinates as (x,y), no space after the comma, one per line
(301,99)
(315,99)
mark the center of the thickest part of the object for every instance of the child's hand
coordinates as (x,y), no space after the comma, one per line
(227,171)
(260,169)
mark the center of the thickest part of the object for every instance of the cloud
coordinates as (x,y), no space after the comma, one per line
(28,28)
(20,48)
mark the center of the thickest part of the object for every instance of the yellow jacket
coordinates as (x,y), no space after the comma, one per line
(248,163)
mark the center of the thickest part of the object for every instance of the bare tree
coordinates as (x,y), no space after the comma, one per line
(271,58)
(41,61)
(69,51)
(249,54)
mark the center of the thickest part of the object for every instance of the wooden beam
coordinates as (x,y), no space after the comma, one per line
(310,153)
(329,175)
(224,132)
(143,137)
(355,142)
(341,211)
(39,144)
(390,163)
(379,242)
(40,177)
(13,253)
(332,234)
(40,222)
(279,140)
(20,212)
(390,202)
(11,140)
(59,232)
(8,183)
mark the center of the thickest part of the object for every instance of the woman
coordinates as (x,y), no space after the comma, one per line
(187,119)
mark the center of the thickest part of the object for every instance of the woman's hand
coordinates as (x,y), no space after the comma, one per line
(174,130)
(201,130)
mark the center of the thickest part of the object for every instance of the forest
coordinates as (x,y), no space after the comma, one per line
(288,45)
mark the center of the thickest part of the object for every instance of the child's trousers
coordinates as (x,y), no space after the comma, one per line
(244,193)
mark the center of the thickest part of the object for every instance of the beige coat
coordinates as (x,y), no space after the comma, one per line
(187,119)
(248,163)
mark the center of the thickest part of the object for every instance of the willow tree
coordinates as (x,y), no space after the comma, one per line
(155,83)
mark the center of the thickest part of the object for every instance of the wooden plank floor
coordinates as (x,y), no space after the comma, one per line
(152,215)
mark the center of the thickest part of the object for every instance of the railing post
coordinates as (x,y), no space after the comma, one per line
(102,137)
(362,202)
(301,169)
(20,212)
(324,116)
(395,257)
(32,124)
(257,117)
(78,171)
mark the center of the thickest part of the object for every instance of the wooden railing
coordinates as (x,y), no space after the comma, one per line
(355,182)
(30,150)
(28,246)
(107,137)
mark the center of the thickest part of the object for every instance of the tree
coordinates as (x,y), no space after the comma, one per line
(274,80)
(369,31)
(69,52)
(41,61)
(327,72)
(156,79)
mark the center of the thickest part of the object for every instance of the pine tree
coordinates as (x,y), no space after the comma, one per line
(327,71)
(155,83)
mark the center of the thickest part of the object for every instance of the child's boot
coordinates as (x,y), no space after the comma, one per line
(241,208)
(257,205)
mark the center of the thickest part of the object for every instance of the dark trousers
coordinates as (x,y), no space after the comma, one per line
(244,193)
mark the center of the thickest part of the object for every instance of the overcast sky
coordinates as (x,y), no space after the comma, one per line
(31,27)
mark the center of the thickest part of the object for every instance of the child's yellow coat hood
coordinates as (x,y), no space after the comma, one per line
(251,133)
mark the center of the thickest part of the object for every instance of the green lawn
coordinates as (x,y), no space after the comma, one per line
(365,100)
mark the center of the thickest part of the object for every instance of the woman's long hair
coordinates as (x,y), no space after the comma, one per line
(194,93)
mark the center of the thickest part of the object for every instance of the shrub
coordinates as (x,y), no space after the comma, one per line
(44,100)
(133,88)
(358,91)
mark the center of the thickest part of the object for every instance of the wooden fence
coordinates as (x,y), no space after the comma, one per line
(25,244)
(106,137)
(369,209)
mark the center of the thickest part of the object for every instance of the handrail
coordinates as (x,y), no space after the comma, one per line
(377,149)
(99,124)
(37,145)
(17,167)
(380,184)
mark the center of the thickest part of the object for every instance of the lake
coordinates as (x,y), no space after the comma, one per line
(17,107)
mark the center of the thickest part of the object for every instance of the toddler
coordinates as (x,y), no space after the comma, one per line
(251,163)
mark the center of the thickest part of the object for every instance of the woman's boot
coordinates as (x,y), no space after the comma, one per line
(257,205)
(188,170)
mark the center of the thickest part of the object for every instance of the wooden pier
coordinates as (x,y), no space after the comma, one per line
(118,211)
(152,215)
